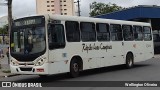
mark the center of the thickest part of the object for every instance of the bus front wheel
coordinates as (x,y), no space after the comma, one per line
(129,60)
(74,68)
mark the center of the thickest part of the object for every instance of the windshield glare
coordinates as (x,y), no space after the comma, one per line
(29,40)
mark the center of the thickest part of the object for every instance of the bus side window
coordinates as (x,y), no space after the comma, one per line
(88,31)
(102,32)
(116,32)
(72,31)
(127,32)
(138,33)
(147,33)
(56,36)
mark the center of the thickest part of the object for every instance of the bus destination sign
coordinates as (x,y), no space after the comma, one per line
(30,21)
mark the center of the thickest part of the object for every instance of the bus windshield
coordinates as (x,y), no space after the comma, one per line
(27,40)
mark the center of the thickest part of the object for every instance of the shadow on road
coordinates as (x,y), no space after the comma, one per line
(65,76)
(110,69)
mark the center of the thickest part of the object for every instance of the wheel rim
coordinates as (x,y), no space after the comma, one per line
(130,62)
(75,67)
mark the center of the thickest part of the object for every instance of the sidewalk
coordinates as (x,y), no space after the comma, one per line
(5,69)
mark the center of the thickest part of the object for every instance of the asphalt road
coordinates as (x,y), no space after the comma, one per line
(143,71)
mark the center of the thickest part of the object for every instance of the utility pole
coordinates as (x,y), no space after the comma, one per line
(9,16)
(79,11)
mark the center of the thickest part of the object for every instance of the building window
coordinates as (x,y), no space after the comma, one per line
(116,32)
(65,9)
(138,33)
(52,1)
(88,31)
(48,5)
(72,31)
(64,1)
(52,5)
(102,32)
(48,9)
(61,13)
(65,5)
(65,13)
(52,9)
(127,32)
(47,1)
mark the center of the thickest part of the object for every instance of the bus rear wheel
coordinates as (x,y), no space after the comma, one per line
(74,68)
(129,61)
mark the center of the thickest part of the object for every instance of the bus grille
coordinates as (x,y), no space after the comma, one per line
(25,69)
(26,63)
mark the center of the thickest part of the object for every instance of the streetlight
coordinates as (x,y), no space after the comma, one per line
(79,11)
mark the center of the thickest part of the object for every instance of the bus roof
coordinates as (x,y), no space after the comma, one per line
(91,19)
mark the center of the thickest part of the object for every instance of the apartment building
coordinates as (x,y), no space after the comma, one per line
(62,7)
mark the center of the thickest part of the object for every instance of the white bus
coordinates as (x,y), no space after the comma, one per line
(52,44)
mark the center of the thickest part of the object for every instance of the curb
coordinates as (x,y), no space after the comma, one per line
(12,75)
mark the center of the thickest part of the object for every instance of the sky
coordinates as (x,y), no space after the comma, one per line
(23,8)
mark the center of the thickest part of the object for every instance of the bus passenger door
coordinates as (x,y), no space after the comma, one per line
(56,46)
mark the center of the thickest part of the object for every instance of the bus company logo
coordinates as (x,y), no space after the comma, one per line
(6,84)
(25,64)
(95,47)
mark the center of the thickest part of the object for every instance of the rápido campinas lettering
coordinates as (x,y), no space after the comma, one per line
(95,47)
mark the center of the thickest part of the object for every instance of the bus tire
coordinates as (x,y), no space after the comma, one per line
(129,60)
(74,68)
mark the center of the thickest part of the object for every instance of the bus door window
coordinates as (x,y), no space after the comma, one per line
(56,36)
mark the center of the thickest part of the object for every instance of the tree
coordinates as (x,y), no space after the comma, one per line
(102,8)
(4,29)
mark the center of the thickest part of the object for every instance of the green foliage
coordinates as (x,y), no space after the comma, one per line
(4,29)
(102,8)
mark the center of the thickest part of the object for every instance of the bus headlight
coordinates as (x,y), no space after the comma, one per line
(14,63)
(40,62)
